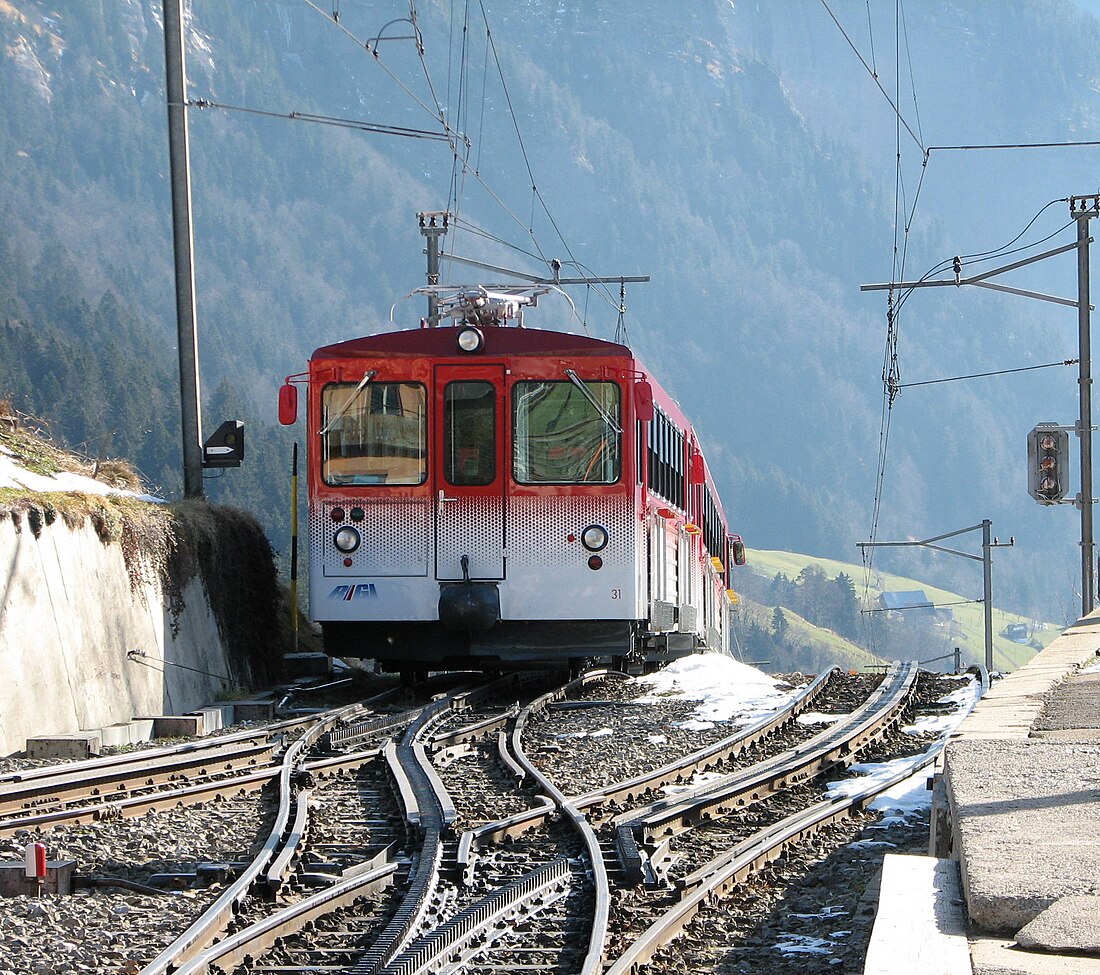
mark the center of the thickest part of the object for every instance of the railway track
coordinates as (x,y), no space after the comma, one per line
(466,835)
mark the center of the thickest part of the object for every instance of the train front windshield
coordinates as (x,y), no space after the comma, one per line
(377,434)
(563,436)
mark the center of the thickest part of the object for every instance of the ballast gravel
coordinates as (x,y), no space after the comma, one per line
(112,930)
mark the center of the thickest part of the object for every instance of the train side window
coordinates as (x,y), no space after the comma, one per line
(376,434)
(470,433)
(560,437)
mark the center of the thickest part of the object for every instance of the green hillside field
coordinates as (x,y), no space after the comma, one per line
(967,632)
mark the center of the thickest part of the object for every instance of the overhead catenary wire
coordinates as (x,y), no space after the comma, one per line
(381,128)
(465,161)
(334,19)
(1078,144)
(890,372)
(873,74)
(871,40)
(997,253)
(983,375)
(902,227)
(926,606)
(897,297)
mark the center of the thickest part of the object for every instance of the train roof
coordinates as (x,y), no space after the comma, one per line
(499,340)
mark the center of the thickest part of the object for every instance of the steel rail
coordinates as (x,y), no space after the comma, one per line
(472,930)
(354,734)
(92,766)
(473,732)
(568,810)
(133,806)
(124,781)
(715,755)
(477,927)
(675,772)
(218,915)
(837,745)
(257,938)
(270,731)
(476,924)
(169,760)
(717,878)
(130,807)
(429,812)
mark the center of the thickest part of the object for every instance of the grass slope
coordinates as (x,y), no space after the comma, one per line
(831,649)
(968,633)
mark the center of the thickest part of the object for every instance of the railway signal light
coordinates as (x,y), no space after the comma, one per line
(1048,463)
(225,446)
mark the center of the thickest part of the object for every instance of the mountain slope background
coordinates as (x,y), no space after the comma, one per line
(740,154)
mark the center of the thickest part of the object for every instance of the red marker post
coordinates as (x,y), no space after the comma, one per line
(34,859)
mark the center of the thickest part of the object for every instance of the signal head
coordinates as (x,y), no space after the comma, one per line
(1048,463)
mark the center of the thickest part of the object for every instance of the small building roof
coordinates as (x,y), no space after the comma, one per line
(913,599)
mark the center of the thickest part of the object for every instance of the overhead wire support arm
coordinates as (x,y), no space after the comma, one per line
(980,280)
(537,279)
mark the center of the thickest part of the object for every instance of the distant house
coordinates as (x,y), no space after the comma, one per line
(912,600)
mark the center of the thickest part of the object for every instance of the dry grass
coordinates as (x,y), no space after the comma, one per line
(26,439)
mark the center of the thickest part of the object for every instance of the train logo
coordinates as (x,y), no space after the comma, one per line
(364,590)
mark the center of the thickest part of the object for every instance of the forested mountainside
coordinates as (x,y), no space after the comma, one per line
(739,153)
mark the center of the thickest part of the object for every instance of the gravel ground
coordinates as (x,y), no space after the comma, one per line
(114,930)
(821,922)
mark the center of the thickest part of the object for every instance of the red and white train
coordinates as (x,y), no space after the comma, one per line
(488,495)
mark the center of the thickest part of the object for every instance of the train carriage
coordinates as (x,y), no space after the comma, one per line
(484,494)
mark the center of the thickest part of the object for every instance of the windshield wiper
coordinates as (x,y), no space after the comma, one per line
(607,418)
(367,377)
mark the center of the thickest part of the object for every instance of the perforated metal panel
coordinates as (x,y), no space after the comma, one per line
(539,528)
(394,534)
(474,527)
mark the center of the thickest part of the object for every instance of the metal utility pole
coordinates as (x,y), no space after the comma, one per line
(1085,211)
(987,568)
(433,225)
(183,243)
(1082,209)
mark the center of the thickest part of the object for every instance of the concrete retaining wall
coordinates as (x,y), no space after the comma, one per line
(68,619)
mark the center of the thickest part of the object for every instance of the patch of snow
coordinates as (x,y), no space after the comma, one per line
(830,910)
(725,689)
(816,717)
(798,944)
(906,802)
(14,475)
(870,845)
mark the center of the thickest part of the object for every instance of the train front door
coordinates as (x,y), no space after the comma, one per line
(470,472)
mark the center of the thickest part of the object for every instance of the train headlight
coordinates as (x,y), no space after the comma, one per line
(347,540)
(594,538)
(470,340)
